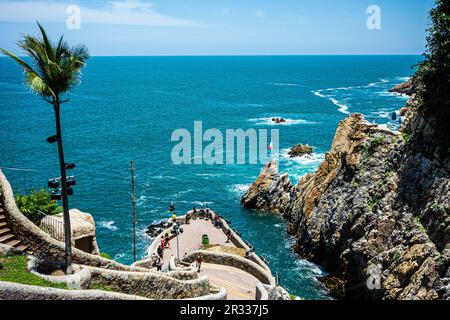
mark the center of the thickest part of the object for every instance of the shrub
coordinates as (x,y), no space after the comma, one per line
(37,204)
(374,144)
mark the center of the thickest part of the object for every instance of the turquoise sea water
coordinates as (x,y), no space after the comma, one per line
(127,108)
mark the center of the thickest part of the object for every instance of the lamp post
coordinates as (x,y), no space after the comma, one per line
(178,230)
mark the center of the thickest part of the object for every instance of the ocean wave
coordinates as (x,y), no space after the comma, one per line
(202,203)
(314,159)
(239,189)
(209,174)
(108,225)
(330,94)
(289,122)
(280,84)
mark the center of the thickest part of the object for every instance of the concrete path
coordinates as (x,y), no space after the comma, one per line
(240,285)
(191,238)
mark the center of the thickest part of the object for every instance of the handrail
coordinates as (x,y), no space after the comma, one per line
(56,229)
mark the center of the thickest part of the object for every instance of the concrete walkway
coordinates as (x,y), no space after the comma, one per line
(191,238)
(240,285)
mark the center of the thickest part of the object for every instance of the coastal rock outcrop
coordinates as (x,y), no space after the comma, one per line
(375,214)
(407,88)
(270,192)
(300,150)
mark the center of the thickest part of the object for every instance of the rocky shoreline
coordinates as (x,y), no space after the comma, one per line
(376,214)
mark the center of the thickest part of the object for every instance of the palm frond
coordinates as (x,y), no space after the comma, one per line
(56,68)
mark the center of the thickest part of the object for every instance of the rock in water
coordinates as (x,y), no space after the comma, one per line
(270,192)
(300,150)
(407,88)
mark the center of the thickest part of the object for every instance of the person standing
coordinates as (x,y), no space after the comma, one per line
(228,236)
(159,264)
(199,262)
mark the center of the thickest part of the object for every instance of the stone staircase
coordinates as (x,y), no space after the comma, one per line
(7,236)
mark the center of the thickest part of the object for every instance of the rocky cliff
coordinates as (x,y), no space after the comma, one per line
(376,214)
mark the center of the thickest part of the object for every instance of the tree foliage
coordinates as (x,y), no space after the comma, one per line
(55,68)
(36,205)
(433,76)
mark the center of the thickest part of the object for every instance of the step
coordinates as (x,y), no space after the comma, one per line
(4,230)
(3,224)
(6,238)
(22,247)
(13,243)
(2,217)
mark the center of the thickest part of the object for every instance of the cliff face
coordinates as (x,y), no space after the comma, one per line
(376,214)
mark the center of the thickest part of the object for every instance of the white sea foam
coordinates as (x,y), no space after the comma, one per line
(314,159)
(344,108)
(202,203)
(108,225)
(280,84)
(270,122)
(239,189)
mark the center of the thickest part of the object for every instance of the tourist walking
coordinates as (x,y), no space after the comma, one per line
(159,264)
(167,241)
(228,235)
(199,262)
(163,244)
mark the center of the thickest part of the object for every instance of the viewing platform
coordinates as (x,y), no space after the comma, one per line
(229,261)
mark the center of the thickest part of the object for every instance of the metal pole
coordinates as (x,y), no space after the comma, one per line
(133,196)
(178,246)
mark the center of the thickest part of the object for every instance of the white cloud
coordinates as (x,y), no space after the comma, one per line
(124,12)
(260,13)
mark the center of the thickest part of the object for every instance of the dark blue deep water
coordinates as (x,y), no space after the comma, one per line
(127,108)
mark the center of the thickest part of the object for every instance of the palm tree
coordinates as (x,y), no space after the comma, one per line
(55,69)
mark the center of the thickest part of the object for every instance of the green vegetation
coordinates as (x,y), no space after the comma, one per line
(406,137)
(37,204)
(105,255)
(102,287)
(432,78)
(350,217)
(14,269)
(373,203)
(438,208)
(374,144)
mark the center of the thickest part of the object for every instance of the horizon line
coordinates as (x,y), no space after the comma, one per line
(247,55)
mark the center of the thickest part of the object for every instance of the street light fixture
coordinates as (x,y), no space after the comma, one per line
(52,139)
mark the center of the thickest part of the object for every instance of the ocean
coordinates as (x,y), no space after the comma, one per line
(127,108)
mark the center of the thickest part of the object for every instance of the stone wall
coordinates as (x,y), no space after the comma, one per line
(150,285)
(233,261)
(17,291)
(41,243)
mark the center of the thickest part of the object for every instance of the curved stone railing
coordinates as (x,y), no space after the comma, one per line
(151,285)
(41,243)
(220,295)
(17,291)
(233,261)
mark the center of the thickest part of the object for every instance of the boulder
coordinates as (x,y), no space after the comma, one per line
(300,150)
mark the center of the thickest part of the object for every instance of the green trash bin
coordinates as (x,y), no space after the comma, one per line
(205,239)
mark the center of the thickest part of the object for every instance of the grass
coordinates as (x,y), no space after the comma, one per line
(105,255)
(102,287)
(13,268)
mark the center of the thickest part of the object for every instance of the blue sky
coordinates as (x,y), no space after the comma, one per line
(224,27)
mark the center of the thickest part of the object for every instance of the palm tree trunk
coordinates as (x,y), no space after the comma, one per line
(65,200)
